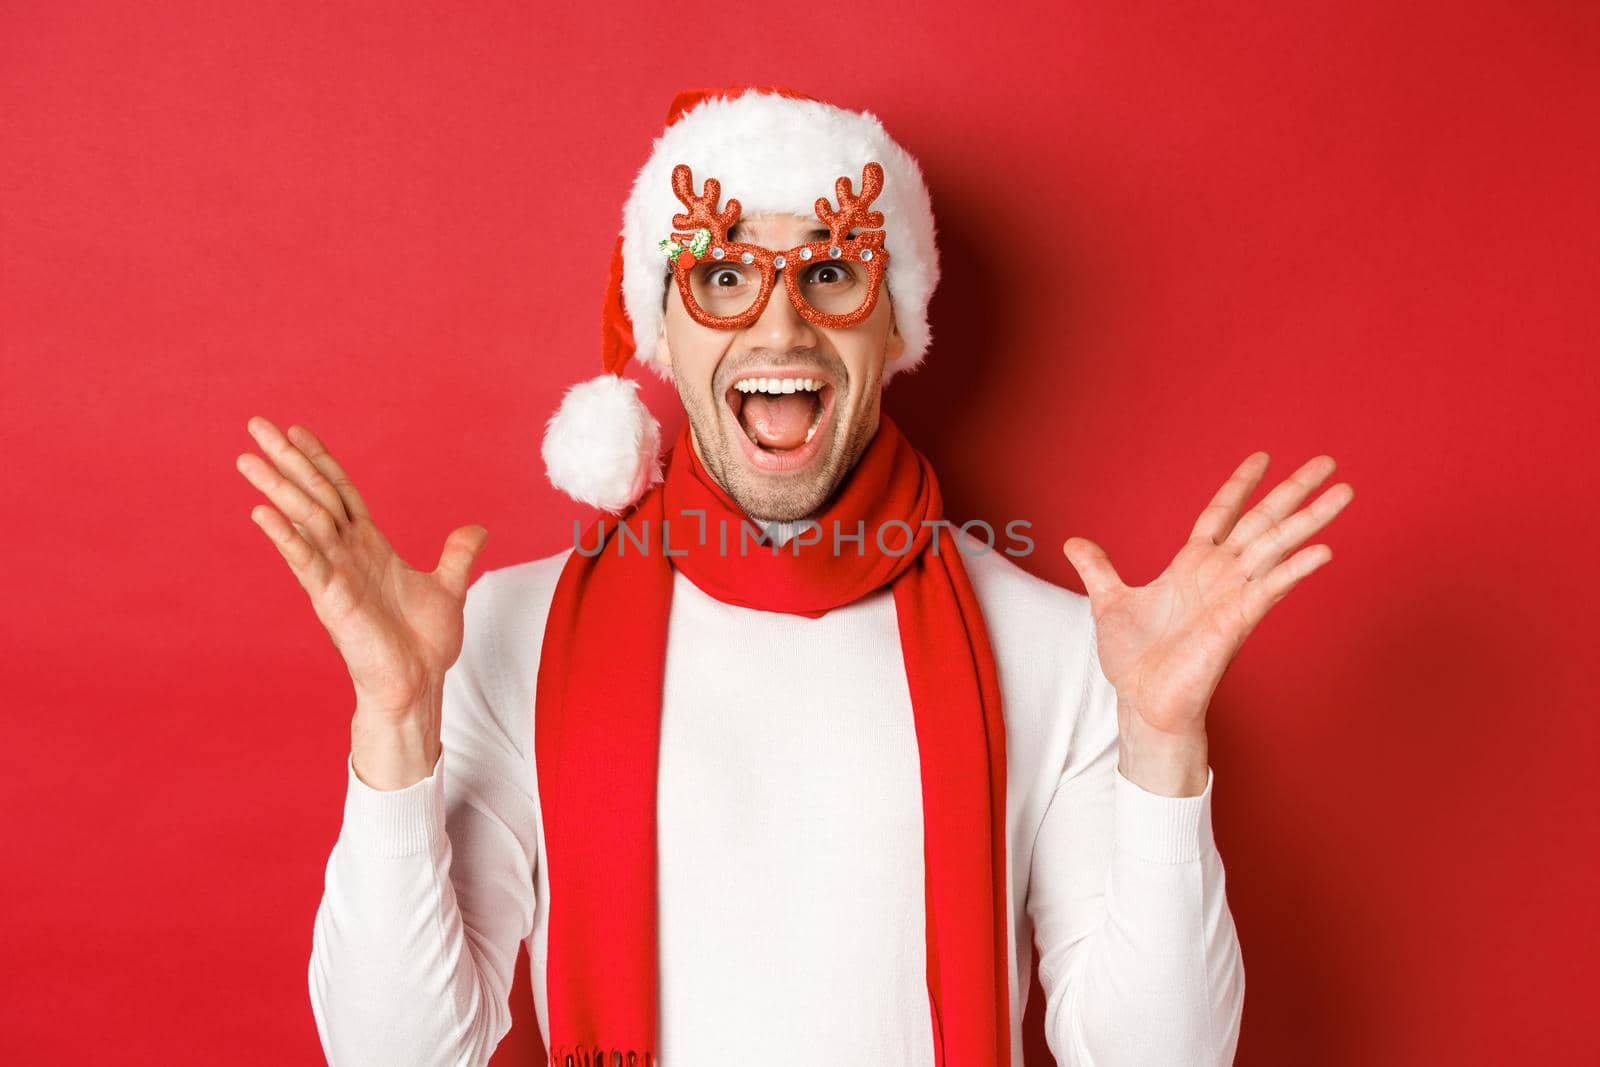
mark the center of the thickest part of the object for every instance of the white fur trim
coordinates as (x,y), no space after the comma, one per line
(602,447)
(773,153)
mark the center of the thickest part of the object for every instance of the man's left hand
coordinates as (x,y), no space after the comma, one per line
(1165,646)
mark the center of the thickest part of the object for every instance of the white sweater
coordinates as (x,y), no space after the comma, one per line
(789,848)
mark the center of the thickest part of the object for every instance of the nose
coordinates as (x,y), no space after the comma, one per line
(780,325)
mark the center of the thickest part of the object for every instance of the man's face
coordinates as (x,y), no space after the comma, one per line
(780,455)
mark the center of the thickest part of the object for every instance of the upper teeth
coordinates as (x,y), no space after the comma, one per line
(778,385)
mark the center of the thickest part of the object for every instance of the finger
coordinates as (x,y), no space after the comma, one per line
(1262,554)
(1223,511)
(461,548)
(291,500)
(1093,566)
(1276,505)
(297,467)
(1261,595)
(308,565)
(313,447)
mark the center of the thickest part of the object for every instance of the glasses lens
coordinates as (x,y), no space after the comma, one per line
(724,289)
(834,286)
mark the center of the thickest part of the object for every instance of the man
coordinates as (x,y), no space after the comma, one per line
(775,766)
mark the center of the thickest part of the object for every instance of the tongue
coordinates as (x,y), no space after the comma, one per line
(780,420)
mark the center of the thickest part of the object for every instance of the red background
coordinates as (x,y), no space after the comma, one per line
(1170,238)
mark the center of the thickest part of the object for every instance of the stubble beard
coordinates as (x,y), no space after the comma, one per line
(780,497)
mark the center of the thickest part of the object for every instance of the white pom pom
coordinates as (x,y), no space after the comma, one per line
(603,447)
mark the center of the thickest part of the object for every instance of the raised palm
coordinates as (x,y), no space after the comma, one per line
(1165,646)
(398,629)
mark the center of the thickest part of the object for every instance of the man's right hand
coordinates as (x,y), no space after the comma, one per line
(398,629)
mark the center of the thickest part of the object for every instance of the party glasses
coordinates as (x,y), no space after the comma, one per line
(833,283)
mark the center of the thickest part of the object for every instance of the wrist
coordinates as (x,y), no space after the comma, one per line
(1171,765)
(395,749)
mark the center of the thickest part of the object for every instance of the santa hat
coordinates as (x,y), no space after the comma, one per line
(776,150)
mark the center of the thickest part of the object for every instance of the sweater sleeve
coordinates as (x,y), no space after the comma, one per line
(1139,959)
(429,889)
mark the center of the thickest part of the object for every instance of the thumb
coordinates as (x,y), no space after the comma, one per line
(1093,566)
(461,549)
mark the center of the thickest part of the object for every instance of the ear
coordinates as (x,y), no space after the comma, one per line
(671,305)
(895,347)
(663,353)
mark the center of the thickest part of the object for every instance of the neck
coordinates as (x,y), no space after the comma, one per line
(779,531)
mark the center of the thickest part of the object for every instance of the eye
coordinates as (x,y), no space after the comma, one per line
(828,274)
(725,277)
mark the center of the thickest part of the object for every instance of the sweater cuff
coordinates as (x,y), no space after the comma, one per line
(1159,828)
(393,822)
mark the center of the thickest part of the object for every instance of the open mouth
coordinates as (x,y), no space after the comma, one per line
(780,417)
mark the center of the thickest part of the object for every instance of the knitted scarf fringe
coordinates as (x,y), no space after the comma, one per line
(595,1056)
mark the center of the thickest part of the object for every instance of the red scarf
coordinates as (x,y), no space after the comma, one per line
(597,733)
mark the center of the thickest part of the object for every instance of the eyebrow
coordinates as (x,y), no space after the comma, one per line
(736,232)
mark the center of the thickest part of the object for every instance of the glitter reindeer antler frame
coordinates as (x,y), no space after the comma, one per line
(705,237)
